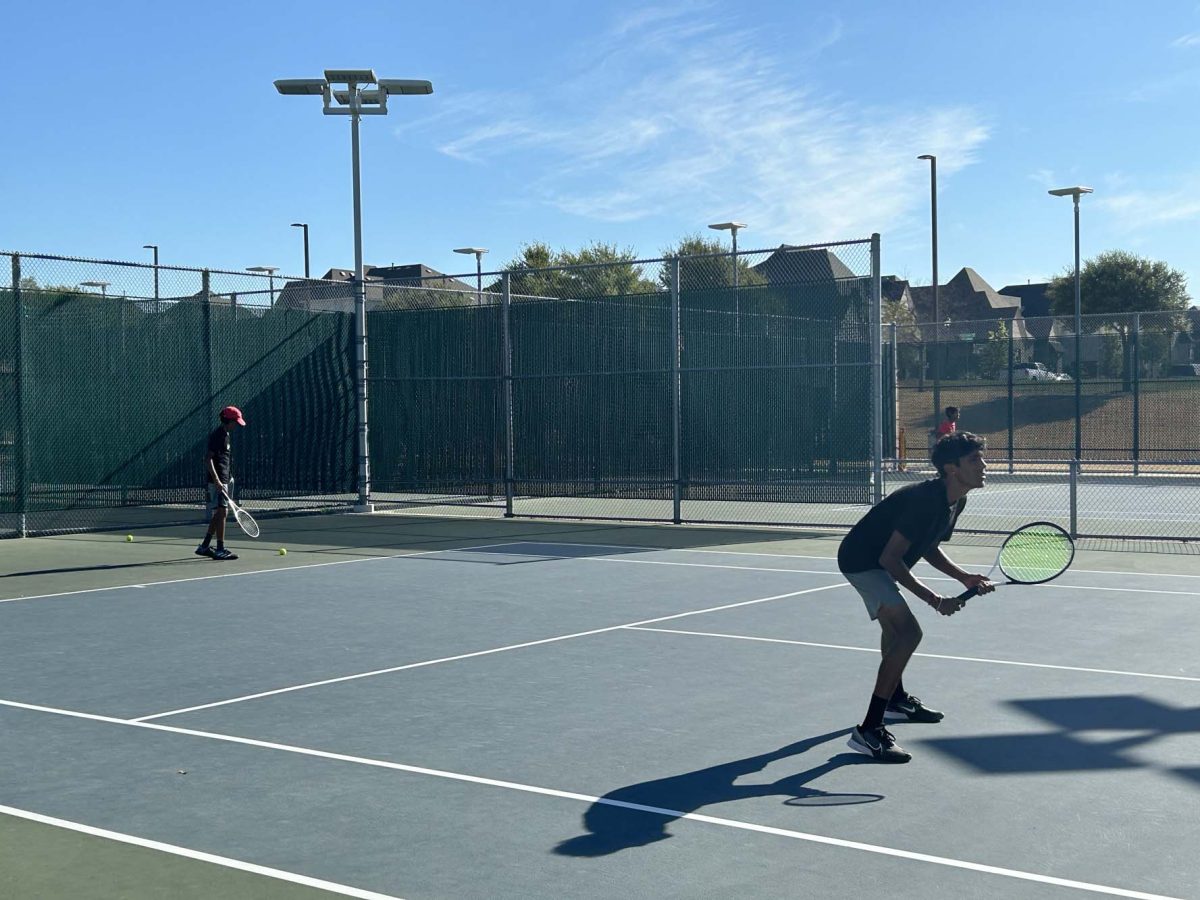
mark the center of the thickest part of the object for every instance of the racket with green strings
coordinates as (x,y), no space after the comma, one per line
(1033,554)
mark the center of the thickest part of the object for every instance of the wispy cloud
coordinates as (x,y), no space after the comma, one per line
(685,117)
(1133,210)
(1187,40)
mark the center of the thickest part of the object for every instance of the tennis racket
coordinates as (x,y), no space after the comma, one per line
(1033,554)
(244,520)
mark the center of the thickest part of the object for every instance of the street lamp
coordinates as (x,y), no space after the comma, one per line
(1075,193)
(357,99)
(154,247)
(478,251)
(937,365)
(304,225)
(103,285)
(269,271)
(732,228)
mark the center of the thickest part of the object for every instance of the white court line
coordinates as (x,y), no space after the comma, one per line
(832,559)
(278,874)
(434,662)
(875,650)
(336,562)
(587,798)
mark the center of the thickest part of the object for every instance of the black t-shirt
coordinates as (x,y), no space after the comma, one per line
(219,447)
(920,512)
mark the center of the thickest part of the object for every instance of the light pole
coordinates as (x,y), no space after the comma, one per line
(937,317)
(103,285)
(269,271)
(154,247)
(1075,193)
(478,251)
(304,225)
(354,101)
(732,228)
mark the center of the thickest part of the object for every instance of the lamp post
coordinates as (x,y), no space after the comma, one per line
(478,251)
(304,225)
(1075,193)
(103,285)
(732,228)
(355,100)
(937,316)
(154,247)
(269,271)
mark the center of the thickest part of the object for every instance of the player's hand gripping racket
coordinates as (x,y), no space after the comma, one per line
(1034,553)
(244,520)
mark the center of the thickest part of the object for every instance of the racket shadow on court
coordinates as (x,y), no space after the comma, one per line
(639,814)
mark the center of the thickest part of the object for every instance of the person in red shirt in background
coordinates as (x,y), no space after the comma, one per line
(950,425)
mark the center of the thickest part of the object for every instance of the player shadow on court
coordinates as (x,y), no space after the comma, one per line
(638,815)
(1073,737)
(101,568)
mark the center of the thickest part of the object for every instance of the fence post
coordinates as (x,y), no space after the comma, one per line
(1011,402)
(1137,392)
(206,343)
(21,436)
(876,369)
(1074,480)
(895,376)
(506,359)
(676,397)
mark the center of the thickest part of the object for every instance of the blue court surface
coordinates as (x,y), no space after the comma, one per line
(580,714)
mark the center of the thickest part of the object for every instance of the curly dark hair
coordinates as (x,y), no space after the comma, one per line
(953,447)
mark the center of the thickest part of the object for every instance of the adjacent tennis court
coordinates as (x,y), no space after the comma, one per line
(425,707)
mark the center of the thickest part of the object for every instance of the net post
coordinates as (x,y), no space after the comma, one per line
(506,362)
(1011,402)
(876,370)
(1074,480)
(1137,393)
(21,442)
(676,397)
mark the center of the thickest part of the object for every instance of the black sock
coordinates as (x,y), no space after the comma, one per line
(207,540)
(220,545)
(874,713)
(899,693)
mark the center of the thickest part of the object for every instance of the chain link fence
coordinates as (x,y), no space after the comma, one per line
(112,375)
(1015,380)
(757,388)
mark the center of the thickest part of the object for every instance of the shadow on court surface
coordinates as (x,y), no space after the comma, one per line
(1136,721)
(638,815)
(106,567)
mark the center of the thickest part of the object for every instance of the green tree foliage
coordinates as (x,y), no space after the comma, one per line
(993,355)
(1115,284)
(533,272)
(712,267)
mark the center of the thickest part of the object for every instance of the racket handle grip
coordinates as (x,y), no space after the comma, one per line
(968,594)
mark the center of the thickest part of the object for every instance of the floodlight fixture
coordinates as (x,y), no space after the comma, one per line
(350,76)
(478,253)
(103,285)
(405,86)
(301,86)
(1071,191)
(728,226)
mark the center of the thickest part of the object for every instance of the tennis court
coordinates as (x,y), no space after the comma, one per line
(435,707)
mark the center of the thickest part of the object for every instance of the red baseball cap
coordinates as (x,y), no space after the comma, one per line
(232,412)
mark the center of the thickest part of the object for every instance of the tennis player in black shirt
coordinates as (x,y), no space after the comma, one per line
(218,472)
(877,557)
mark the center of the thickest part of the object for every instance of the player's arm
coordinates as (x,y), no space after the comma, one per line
(944,564)
(892,561)
(211,465)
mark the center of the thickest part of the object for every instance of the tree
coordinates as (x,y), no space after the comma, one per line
(538,272)
(908,336)
(993,355)
(1115,284)
(713,269)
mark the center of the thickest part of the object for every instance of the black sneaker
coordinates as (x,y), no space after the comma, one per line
(911,709)
(204,550)
(879,743)
(224,553)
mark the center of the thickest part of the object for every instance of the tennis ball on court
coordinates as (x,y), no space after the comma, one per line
(129,538)
(283,551)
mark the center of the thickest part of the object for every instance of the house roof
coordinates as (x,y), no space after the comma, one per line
(791,265)
(967,297)
(1035,307)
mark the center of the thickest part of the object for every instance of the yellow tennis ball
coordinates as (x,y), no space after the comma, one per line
(283,551)
(129,538)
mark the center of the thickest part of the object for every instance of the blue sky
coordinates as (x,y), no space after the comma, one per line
(569,122)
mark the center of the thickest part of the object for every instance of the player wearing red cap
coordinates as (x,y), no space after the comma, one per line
(218,471)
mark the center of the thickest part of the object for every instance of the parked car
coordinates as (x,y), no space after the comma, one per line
(1036,371)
